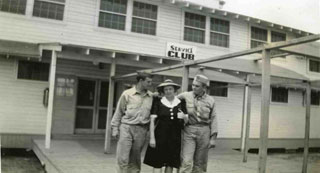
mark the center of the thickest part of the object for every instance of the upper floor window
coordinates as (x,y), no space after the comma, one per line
(315,97)
(218,89)
(50,9)
(194,27)
(279,95)
(314,65)
(219,32)
(13,6)
(258,37)
(113,14)
(275,37)
(33,70)
(144,18)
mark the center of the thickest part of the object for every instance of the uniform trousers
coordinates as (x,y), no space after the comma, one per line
(131,142)
(196,141)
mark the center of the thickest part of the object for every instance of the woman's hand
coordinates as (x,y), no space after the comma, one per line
(152,143)
(183,117)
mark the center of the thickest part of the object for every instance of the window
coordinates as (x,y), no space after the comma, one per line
(144,18)
(194,27)
(315,97)
(13,6)
(33,70)
(219,34)
(50,9)
(275,37)
(279,95)
(113,14)
(258,37)
(218,89)
(314,65)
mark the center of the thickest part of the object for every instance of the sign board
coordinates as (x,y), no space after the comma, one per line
(180,51)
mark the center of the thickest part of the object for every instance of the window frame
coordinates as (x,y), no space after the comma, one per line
(220,33)
(256,40)
(51,2)
(210,90)
(112,13)
(277,101)
(309,65)
(269,35)
(30,80)
(144,18)
(25,9)
(318,94)
(194,28)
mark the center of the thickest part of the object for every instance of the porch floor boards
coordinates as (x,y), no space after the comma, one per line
(87,156)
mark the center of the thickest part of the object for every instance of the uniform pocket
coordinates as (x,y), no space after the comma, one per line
(132,109)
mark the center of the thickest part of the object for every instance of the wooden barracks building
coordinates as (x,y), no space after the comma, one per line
(74,46)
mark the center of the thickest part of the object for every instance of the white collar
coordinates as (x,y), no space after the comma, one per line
(167,103)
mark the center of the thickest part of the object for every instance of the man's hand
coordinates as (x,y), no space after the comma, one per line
(115,133)
(212,143)
(152,143)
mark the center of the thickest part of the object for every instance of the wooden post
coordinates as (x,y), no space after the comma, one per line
(265,103)
(243,116)
(247,108)
(52,80)
(107,143)
(307,128)
(185,79)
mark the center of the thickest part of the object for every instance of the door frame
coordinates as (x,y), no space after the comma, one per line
(95,108)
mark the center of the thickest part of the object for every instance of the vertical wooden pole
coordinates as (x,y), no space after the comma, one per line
(51,98)
(243,115)
(107,143)
(185,79)
(307,129)
(248,118)
(265,106)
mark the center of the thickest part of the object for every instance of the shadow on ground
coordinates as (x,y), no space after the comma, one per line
(20,161)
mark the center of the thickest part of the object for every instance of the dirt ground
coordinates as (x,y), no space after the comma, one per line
(20,161)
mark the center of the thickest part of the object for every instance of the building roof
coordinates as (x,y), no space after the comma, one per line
(211,74)
(254,67)
(308,49)
(16,48)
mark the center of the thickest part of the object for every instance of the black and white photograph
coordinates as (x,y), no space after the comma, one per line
(160,86)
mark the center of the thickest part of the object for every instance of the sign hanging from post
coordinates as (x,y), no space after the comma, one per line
(180,51)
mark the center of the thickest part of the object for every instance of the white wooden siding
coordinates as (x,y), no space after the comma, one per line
(79,27)
(21,110)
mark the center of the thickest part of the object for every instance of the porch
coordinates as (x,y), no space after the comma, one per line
(87,155)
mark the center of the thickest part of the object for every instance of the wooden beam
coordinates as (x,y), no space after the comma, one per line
(52,80)
(247,108)
(275,56)
(307,128)
(107,143)
(265,106)
(185,79)
(275,45)
(301,40)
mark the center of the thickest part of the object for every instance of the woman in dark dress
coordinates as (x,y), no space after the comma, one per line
(167,120)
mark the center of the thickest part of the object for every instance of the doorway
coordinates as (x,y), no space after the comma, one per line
(91,106)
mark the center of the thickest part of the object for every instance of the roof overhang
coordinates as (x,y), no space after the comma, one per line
(14,48)
(308,49)
(211,74)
